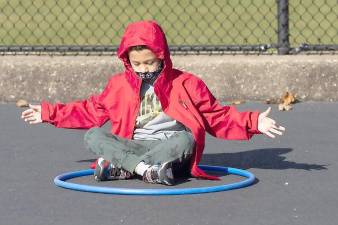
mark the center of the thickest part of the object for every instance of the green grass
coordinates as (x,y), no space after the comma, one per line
(192,22)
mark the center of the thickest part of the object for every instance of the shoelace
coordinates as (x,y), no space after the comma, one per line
(151,175)
(114,171)
(119,173)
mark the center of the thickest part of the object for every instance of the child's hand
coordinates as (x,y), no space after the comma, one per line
(268,126)
(32,115)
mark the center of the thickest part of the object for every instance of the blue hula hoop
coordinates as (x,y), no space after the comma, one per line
(60,181)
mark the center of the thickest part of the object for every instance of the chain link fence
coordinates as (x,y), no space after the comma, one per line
(313,25)
(213,26)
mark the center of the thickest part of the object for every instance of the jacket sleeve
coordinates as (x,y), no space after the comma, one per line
(78,114)
(223,121)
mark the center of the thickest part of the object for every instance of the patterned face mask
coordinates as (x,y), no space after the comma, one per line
(150,77)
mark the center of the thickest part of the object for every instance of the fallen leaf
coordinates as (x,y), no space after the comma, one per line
(281,107)
(288,107)
(288,98)
(22,103)
(237,102)
(286,101)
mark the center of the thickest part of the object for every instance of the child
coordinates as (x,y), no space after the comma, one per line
(159,115)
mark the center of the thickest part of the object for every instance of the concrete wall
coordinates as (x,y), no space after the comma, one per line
(67,78)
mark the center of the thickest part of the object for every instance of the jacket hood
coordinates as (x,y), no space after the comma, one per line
(147,33)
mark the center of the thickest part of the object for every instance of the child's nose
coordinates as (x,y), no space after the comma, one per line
(144,69)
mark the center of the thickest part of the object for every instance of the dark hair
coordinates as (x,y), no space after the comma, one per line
(137,48)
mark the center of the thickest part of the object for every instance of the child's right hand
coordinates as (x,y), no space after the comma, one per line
(32,115)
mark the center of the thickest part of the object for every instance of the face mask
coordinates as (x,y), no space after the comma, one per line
(150,77)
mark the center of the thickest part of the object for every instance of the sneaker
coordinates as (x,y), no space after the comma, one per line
(106,170)
(159,174)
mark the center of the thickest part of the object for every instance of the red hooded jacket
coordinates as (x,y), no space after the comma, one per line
(183,96)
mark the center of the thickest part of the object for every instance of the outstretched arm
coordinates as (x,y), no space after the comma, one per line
(78,114)
(225,121)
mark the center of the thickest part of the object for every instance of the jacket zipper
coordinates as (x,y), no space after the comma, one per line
(184,105)
(137,109)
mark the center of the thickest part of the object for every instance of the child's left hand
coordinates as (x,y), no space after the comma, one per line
(268,126)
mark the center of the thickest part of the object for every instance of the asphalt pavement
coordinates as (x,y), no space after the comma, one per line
(296,174)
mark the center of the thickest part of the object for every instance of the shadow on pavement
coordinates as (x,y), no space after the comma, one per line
(269,158)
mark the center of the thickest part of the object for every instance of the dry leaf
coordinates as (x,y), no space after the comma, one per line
(282,107)
(237,102)
(288,98)
(286,101)
(288,107)
(22,103)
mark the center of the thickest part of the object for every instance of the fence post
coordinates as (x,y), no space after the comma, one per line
(283,27)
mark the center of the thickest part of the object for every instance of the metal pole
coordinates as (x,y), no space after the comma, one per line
(283,27)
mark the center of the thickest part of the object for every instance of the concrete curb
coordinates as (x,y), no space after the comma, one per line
(68,78)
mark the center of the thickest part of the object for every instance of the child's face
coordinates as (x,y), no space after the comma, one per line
(144,61)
